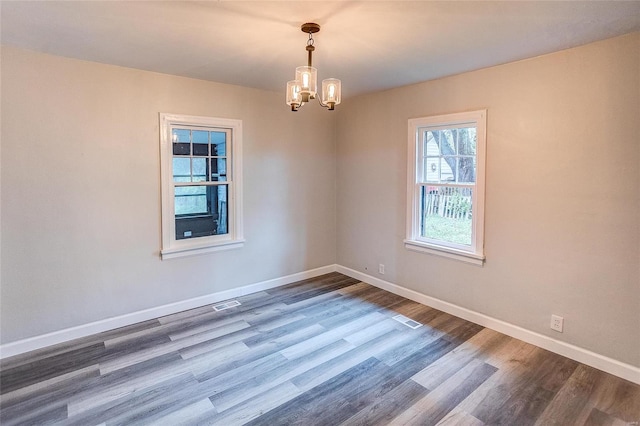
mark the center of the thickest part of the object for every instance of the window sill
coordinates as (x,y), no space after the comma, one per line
(450,253)
(172,253)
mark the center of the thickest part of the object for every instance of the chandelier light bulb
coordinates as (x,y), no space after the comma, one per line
(294,97)
(308,78)
(331,92)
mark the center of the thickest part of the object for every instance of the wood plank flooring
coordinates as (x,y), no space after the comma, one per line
(324,351)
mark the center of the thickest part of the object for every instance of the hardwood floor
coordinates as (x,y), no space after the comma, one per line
(325,351)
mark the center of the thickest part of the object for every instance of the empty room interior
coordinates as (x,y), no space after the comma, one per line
(358,213)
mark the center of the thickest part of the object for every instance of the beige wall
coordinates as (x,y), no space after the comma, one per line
(81,205)
(81,191)
(562,193)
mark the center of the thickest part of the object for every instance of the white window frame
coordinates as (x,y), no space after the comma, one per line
(414,241)
(171,247)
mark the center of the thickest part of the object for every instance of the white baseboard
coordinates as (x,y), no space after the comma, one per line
(601,362)
(68,334)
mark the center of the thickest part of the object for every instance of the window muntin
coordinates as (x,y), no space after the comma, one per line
(446,184)
(201,184)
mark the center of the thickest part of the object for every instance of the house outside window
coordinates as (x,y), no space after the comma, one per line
(445,186)
(201,173)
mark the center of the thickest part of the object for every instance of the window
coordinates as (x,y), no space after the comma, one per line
(445,190)
(201,172)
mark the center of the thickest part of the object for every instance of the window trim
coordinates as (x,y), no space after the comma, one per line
(171,247)
(414,241)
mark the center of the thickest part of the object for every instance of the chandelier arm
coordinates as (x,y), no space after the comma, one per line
(329,105)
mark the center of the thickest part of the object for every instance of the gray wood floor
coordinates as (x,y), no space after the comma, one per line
(325,351)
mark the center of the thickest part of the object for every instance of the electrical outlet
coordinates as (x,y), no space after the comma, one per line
(381,269)
(556,323)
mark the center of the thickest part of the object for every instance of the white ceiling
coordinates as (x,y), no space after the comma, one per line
(369,45)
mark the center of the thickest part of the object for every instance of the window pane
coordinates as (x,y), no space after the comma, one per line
(446,214)
(201,211)
(181,170)
(433,142)
(447,169)
(181,135)
(218,143)
(467,141)
(222,208)
(199,169)
(181,139)
(190,200)
(466,169)
(200,149)
(192,212)
(180,148)
(200,136)
(432,169)
(431,146)
(200,142)
(442,140)
(218,169)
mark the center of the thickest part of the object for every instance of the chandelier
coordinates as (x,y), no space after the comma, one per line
(305,86)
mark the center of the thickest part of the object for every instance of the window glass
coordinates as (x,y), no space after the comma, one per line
(200,136)
(466,169)
(446,214)
(180,148)
(200,142)
(181,169)
(218,169)
(181,135)
(222,208)
(201,211)
(218,143)
(199,168)
(191,200)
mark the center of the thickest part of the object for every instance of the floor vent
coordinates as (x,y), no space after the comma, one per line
(407,321)
(226,305)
